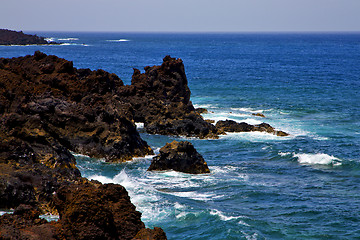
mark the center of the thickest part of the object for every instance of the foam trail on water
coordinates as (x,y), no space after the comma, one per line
(119,40)
(68,39)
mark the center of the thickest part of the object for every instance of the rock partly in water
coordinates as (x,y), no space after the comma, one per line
(181,157)
(9,37)
(89,210)
(52,107)
(258,115)
(232,126)
(161,100)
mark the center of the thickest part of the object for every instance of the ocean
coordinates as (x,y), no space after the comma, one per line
(261,186)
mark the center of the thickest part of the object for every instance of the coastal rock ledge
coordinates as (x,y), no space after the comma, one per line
(9,37)
(181,157)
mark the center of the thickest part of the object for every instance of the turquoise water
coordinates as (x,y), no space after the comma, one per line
(305,186)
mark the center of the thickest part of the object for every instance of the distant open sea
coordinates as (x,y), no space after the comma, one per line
(305,186)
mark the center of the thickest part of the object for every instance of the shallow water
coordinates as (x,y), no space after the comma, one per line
(305,186)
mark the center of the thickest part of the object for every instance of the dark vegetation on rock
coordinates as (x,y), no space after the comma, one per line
(232,126)
(181,157)
(9,37)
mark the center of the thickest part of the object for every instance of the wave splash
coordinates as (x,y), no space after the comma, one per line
(314,158)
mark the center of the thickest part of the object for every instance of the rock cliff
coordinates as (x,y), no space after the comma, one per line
(161,99)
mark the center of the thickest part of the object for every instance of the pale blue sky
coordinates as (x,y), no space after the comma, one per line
(181,15)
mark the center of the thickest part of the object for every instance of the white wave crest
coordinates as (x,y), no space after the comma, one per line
(50,39)
(317,158)
(68,39)
(119,40)
(225,218)
(254,136)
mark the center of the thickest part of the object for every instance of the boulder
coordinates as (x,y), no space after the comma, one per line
(179,156)
(258,115)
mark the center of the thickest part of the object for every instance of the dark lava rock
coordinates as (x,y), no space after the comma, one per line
(201,110)
(232,126)
(87,211)
(51,107)
(25,223)
(161,100)
(148,234)
(9,37)
(179,156)
(258,115)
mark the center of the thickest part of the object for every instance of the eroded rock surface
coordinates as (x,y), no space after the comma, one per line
(179,156)
(232,126)
(88,210)
(161,99)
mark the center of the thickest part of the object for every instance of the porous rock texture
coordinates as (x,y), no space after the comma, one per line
(181,157)
(232,126)
(87,211)
(161,100)
(48,108)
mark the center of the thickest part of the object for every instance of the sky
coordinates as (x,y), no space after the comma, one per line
(181,15)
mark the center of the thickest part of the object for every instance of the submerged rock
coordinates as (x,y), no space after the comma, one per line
(232,126)
(179,156)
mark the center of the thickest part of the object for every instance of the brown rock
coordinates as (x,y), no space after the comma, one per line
(150,234)
(259,114)
(179,156)
(232,126)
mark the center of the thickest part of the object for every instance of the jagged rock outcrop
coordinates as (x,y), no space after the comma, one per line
(161,99)
(181,157)
(52,107)
(89,210)
(232,126)
(9,37)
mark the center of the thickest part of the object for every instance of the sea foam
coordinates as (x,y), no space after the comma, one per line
(119,40)
(317,158)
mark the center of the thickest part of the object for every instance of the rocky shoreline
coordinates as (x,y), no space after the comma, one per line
(49,109)
(9,37)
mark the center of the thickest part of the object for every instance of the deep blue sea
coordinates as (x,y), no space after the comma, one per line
(305,186)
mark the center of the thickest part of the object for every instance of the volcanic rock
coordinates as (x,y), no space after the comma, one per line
(9,37)
(51,107)
(258,115)
(161,100)
(179,156)
(89,210)
(232,126)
